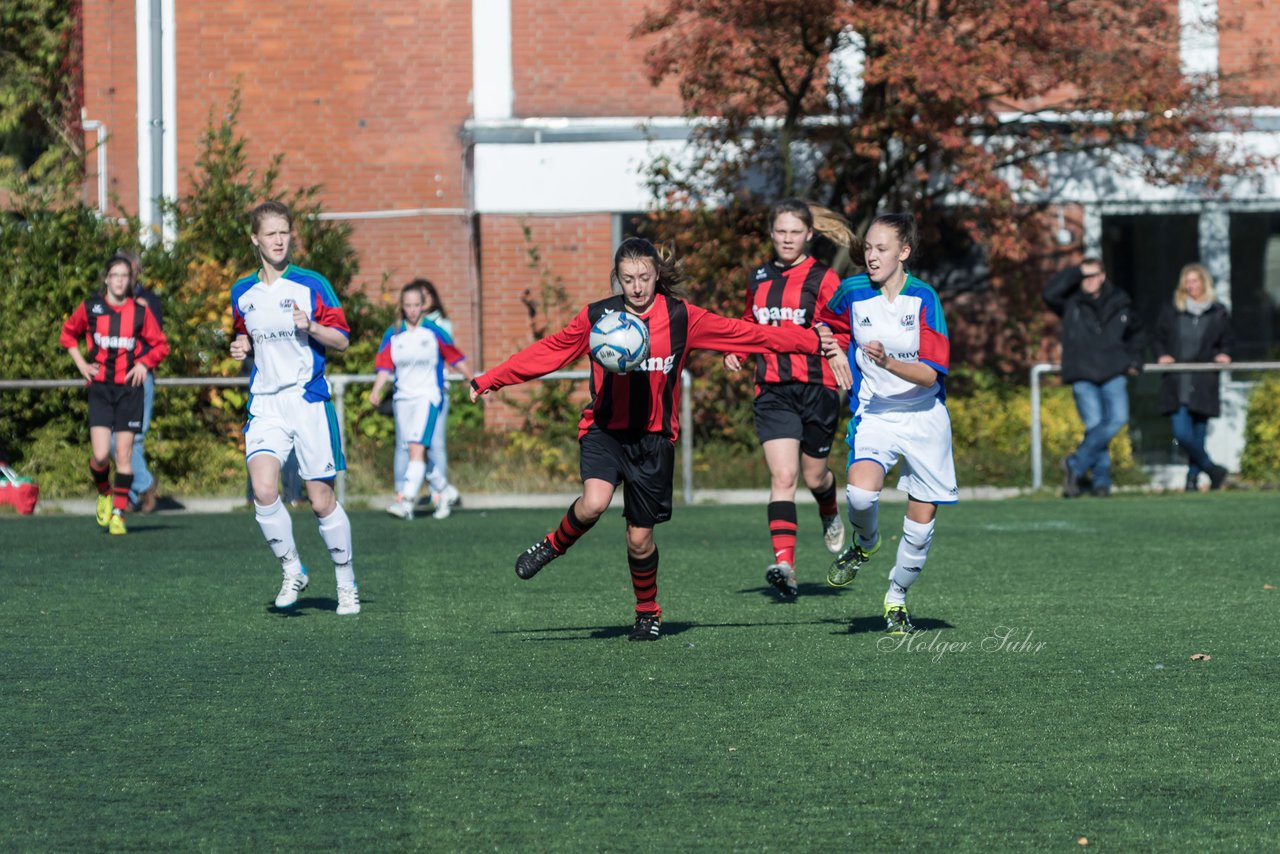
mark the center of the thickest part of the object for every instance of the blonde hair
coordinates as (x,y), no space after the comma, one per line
(1180,293)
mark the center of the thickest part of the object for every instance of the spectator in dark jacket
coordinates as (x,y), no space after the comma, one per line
(1101,348)
(1194,327)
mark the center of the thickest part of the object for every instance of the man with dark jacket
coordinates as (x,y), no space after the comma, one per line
(1101,348)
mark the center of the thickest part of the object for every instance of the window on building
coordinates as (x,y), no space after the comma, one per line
(1255,284)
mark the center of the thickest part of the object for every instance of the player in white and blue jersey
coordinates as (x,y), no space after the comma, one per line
(288,317)
(899,354)
(415,351)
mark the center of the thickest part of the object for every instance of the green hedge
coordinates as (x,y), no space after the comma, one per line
(1260,462)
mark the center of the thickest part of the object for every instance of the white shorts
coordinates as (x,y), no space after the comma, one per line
(921,439)
(416,420)
(283,422)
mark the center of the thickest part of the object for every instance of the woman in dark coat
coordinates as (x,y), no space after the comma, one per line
(1194,327)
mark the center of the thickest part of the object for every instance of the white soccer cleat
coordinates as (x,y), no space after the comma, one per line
(833,533)
(443,511)
(451,496)
(348,601)
(293,584)
(401,509)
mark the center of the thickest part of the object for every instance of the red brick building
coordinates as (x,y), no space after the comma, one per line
(462,139)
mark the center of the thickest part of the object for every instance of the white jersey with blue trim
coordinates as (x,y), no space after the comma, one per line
(910,327)
(285,357)
(417,356)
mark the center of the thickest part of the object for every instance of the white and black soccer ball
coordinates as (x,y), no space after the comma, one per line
(619,341)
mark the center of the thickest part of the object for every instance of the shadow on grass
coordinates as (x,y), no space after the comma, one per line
(668,628)
(311,603)
(875,625)
(807,588)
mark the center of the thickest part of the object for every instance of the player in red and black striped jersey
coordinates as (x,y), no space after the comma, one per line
(797,401)
(627,432)
(125,344)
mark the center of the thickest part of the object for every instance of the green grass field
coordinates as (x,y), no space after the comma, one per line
(154,701)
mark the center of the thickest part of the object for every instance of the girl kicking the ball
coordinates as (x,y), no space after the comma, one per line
(628,430)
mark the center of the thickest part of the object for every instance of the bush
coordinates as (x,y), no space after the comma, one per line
(1260,461)
(51,259)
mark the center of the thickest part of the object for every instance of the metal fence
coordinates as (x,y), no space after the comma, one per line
(1039,370)
(339,383)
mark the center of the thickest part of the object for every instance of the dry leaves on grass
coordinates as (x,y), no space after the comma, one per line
(1201,656)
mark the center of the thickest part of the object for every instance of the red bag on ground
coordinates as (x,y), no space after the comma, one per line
(21,492)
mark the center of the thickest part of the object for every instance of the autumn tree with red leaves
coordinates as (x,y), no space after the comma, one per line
(964,112)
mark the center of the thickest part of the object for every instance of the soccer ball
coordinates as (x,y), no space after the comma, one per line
(619,341)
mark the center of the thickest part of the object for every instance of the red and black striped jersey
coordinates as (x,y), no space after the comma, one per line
(115,336)
(645,400)
(780,296)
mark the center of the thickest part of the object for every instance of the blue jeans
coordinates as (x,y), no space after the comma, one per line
(142,478)
(1104,409)
(1189,429)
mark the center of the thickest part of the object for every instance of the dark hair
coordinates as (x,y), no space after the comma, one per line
(266,209)
(663,260)
(118,258)
(415,285)
(903,225)
(428,290)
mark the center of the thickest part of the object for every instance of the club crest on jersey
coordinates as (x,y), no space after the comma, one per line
(773,314)
(660,364)
(286,304)
(97,308)
(908,321)
(762,273)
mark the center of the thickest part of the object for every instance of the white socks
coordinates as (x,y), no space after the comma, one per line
(913,551)
(436,480)
(864,507)
(277,527)
(335,530)
(413,475)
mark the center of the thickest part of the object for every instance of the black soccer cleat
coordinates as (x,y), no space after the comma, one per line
(534,558)
(647,628)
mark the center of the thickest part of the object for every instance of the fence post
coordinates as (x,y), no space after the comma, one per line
(1037,461)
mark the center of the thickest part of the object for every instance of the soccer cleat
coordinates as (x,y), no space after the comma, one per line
(833,533)
(647,628)
(845,568)
(348,601)
(534,558)
(104,510)
(783,577)
(443,510)
(896,620)
(401,509)
(116,524)
(451,496)
(293,584)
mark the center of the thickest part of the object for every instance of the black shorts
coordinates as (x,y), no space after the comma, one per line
(116,406)
(804,411)
(643,463)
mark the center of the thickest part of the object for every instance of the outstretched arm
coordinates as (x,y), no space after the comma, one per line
(541,357)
